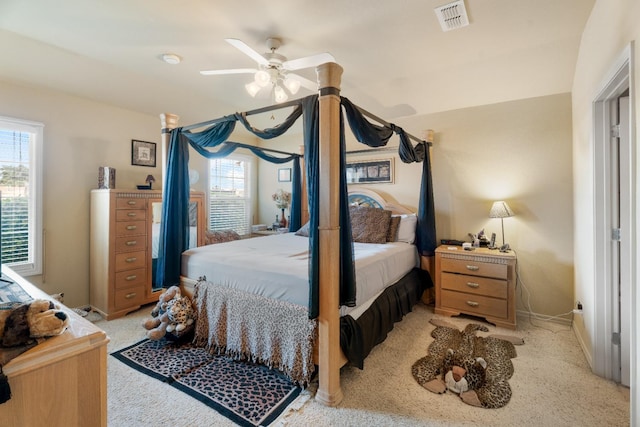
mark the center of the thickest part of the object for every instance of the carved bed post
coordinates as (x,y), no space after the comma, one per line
(169,121)
(329,392)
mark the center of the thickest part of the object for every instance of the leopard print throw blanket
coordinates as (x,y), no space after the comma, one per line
(476,368)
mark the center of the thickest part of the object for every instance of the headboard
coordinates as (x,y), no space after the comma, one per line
(365,197)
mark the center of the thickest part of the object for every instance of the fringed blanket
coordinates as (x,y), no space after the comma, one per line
(245,326)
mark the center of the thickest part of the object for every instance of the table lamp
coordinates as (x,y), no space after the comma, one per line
(501,209)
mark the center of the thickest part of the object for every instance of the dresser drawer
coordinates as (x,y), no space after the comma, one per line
(131,278)
(131,228)
(134,203)
(495,288)
(131,260)
(474,304)
(131,214)
(131,243)
(475,268)
(130,297)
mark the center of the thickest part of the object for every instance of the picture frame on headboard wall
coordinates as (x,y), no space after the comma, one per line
(284,175)
(375,171)
(143,153)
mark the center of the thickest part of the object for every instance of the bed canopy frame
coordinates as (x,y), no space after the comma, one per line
(331,273)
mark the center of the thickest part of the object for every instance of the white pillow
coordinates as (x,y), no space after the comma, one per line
(407,228)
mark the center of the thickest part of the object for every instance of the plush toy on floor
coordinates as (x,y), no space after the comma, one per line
(21,325)
(172,317)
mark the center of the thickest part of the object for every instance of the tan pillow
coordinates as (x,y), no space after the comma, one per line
(369,225)
(394,224)
(220,236)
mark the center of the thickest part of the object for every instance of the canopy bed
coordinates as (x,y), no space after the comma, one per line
(331,262)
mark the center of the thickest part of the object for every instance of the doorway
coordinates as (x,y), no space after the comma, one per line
(614,226)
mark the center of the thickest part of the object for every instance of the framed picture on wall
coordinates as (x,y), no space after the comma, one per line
(284,175)
(370,171)
(143,153)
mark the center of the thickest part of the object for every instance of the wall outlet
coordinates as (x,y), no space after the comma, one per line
(578,309)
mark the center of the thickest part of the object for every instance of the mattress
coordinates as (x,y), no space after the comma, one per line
(277,267)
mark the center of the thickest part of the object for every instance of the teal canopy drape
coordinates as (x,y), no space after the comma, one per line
(174,228)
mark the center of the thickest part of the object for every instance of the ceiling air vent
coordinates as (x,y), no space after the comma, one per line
(452,16)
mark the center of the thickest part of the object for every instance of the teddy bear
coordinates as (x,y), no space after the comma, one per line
(172,317)
(21,325)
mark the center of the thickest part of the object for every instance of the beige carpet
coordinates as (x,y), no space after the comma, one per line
(552,386)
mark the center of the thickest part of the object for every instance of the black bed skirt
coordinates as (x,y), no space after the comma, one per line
(359,336)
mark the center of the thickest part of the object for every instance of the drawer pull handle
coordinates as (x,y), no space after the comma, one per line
(131,202)
(473,267)
(132,259)
(131,227)
(131,295)
(473,285)
(473,303)
(131,214)
(132,243)
(132,277)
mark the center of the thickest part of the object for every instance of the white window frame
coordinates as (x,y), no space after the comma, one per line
(249,170)
(34,266)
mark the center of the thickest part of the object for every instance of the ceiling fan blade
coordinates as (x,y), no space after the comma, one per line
(311,85)
(233,71)
(244,48)
(308,61)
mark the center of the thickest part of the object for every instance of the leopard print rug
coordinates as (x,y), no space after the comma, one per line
(248,394)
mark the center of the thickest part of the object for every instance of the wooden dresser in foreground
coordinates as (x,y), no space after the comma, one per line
(480,283)
(61,381)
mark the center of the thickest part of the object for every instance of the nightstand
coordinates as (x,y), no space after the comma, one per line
(480,283)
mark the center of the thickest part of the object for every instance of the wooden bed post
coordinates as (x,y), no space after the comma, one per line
(169,121)
(329,392)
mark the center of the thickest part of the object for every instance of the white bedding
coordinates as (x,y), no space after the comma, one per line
(277,266)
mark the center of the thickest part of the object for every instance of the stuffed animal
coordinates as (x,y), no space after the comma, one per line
(21,325)
(476,368)
(172,317)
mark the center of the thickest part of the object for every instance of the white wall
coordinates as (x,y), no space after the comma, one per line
(79,136)
(613,24)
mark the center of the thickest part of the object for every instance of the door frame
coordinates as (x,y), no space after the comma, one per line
(605,296)
(605,354)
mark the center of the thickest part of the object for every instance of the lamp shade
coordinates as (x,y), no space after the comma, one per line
(150,179)
(500,209)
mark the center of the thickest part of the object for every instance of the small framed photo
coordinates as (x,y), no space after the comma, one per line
(284,175)
(143,153)
(370,171)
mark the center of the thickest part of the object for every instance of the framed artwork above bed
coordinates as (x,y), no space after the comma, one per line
(370,171)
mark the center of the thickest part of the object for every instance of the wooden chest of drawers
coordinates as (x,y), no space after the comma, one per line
(479,283)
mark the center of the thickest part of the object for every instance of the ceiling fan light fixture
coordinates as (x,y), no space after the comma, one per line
(292,85)
(262,78)
(252,88)
(280,94)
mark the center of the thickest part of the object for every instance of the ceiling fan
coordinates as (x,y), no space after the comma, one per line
(274,70)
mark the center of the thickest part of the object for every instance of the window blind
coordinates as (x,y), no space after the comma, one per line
(229,198)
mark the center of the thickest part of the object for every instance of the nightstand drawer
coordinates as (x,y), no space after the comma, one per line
(495,288)
(475,304)
(475,268)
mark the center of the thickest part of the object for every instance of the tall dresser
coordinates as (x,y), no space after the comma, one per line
(123,235)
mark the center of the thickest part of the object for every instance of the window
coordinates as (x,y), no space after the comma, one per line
(21,195)
(229,196)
